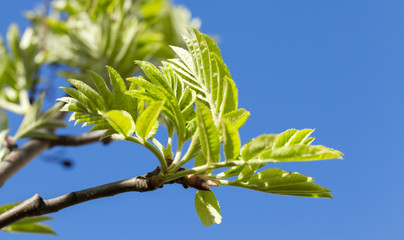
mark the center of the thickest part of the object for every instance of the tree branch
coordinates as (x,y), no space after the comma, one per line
(17,159)
(36,206)
(71,140)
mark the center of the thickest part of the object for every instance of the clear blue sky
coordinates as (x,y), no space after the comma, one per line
(336,66)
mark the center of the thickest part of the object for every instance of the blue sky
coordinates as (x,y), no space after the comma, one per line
(336,66)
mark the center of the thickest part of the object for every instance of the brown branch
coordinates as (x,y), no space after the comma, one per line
(71,140)
(17,159)
(36,206)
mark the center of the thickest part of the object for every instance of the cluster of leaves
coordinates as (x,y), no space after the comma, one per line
(18,68)
(84,35)
(196,99)
(99,33)
(20,62)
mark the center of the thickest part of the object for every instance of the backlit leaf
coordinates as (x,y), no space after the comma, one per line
(208,134)
(207,207)
(231,141)
(121,121)
(147,119)
(277,181)
(237,117)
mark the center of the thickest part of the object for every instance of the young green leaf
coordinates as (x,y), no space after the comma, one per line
(119,88)
(231,141)
(90,93)
(203,70)
(208,134)
(252,149)
(230,98)
(237,117)
(148,118)
(3,121)
(153,74)
(300,136)
(284,138)
(301,152)
(29,228)
(256,146)
(103,88)
(33,219)
(121,121)
(277,181)
(207,207)
(157,93)
(33,122)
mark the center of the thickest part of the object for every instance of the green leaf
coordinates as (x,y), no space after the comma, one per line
(148,118)
(76,106)
(203,70)
(284,138)
(185,56)
(231,95)
(90,93)
(121,121)
(253,149)
(301,152)
(300,137)
(3,121)
(119,87)
(231,141)
(248,171)
(208,134)
(34,219)
(277,181)
(153,74)
(82,100)
(207,208)
(158,93)
(237,117)
(29,228)
(103,88)
(256,146)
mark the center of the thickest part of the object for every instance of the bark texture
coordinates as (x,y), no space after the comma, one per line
(36,206)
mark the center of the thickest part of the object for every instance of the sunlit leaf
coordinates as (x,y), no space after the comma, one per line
(103,88)
(208,134)
(237,117)
(277,181)
(301,152)
(207,207)
(90,93)
(231,141)
(148,118)
(121,121)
